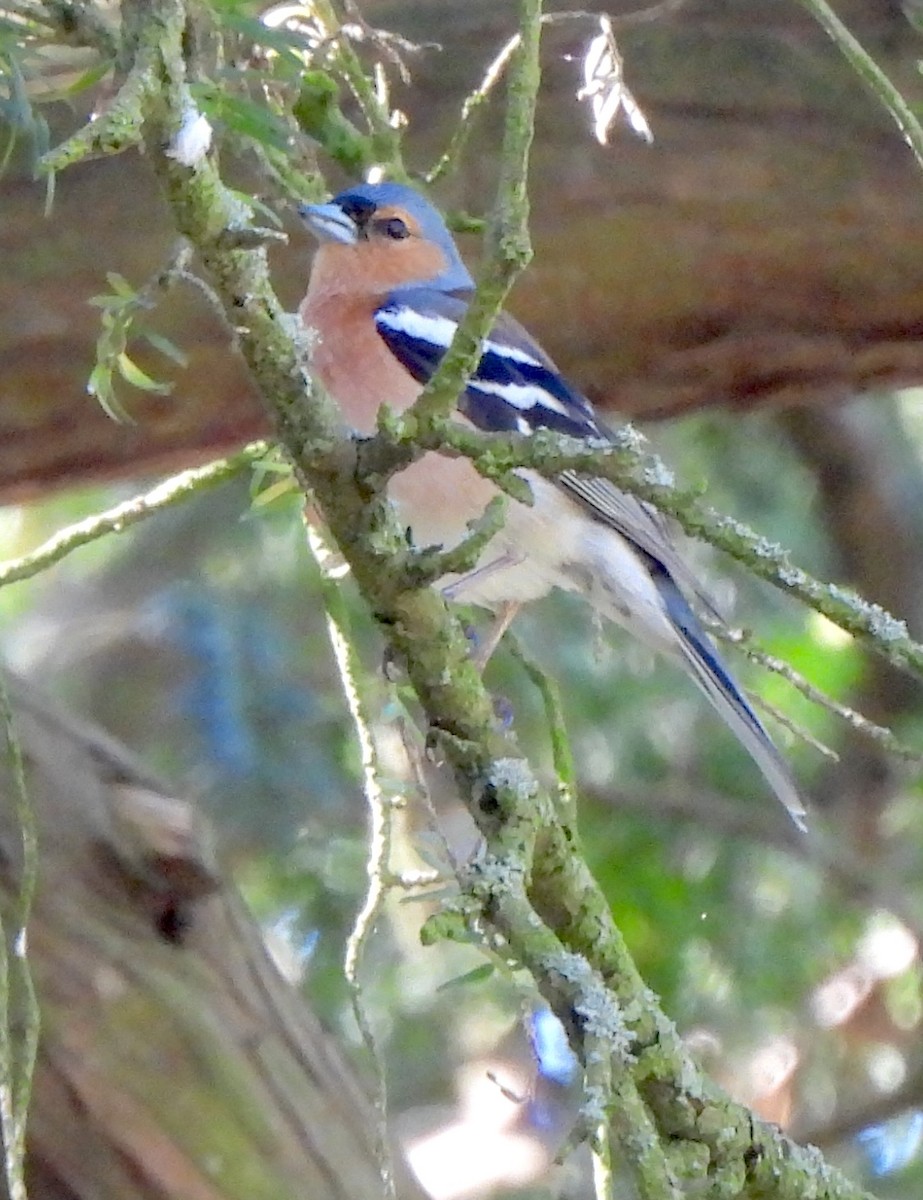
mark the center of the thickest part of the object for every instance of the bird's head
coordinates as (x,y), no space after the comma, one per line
(377,237)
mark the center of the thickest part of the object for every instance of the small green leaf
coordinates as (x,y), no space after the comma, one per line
(166,347)
(478,975)
(271,464)
(132,373)
(245,117)
(283,487)
(107,301)
(100,385)
(278,38)
(120,285)
(100,382)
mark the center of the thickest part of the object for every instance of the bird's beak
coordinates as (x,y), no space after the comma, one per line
(329,223)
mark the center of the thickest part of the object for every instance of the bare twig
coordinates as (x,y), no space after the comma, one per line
(879,734)
(380,812)
(871,75)
(173,491)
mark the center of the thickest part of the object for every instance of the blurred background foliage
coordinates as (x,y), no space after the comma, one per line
(200,640)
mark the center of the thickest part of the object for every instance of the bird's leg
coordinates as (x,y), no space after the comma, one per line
(505,613)
(502,621)
(455,590)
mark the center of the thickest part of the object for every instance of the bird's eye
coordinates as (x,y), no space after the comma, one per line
(393,227)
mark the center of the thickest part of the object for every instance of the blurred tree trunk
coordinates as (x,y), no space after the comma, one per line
(767,249)
(175,1061)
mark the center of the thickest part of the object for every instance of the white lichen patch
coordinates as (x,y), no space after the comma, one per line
(513,776)
(658,474)
(192,140)
(593,1108)
(879,622)
(626,437)
(603,1018)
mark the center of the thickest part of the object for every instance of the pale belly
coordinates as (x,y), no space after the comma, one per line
(547,545)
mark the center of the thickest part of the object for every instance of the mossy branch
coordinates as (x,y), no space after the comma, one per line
(529,885)
(116,129)
(508,247)
(384,139)
(318,113)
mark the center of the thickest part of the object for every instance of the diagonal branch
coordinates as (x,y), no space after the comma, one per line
(508,247)
(622,462)
(170,492)
(531,886)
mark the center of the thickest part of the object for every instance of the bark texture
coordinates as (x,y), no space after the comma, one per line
(175,1061)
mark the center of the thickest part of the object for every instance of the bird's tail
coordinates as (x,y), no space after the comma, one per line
(702,660)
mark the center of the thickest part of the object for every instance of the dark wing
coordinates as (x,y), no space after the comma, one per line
(517,387)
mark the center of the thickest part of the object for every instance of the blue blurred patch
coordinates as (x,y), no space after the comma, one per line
(245,696)
(892,1145)
(553,1056)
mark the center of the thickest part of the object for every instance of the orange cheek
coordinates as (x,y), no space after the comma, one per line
(371,267)
(400,262)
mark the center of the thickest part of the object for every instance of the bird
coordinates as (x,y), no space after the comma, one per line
(386,292)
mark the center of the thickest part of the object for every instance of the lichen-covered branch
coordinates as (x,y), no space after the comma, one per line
(508,247)
(530,886)
(623,461)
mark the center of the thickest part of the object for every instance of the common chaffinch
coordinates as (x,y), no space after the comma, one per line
(387,291)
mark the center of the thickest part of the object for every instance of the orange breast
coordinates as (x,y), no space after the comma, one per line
(436,496)
(352,362)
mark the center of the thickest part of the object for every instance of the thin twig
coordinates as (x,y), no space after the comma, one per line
(173,491)
(871,75)
(378,865)
(474,101)
(508,246)
(561,754)
(880,734)
(797,730)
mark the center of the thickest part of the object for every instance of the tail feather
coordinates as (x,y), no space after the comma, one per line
(702,660)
